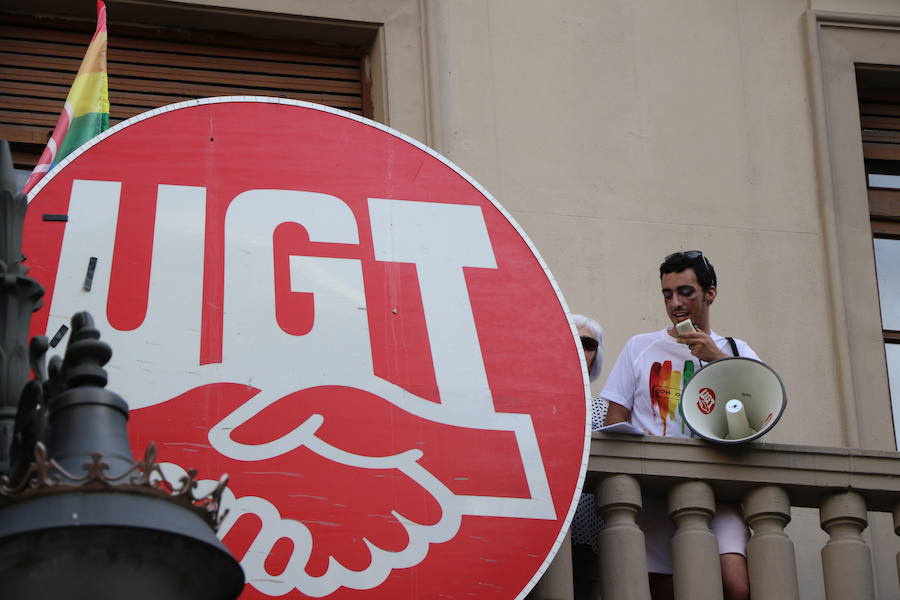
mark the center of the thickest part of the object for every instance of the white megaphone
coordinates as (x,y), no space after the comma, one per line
(733,400)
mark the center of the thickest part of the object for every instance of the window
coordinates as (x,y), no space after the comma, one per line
(857,139)
(879,106)
(151,66)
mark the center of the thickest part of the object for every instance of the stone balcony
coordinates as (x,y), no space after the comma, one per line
(845,485)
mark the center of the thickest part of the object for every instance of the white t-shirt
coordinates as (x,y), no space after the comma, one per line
(647,379)
(651,373)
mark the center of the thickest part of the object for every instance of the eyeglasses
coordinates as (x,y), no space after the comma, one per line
(589,343)
(693,255)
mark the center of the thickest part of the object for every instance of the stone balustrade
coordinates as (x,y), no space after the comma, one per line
(767,479)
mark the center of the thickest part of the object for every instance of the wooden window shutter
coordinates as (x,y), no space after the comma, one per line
(152,67)
(879,107)
(879,114)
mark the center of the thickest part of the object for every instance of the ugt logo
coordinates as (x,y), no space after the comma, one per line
(706,400)
(345,324)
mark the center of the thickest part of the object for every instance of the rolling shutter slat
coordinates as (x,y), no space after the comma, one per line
(38,65)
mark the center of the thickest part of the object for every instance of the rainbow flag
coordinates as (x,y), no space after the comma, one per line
(86,112)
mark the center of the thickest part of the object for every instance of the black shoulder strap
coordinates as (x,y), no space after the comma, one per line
(734,349)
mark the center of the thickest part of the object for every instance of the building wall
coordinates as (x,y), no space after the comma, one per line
(863,7)
(618,132)
(671,127)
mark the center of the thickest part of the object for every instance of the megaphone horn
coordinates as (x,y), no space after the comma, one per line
(733,400)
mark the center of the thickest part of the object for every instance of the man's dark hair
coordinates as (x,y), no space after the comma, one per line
(691,259)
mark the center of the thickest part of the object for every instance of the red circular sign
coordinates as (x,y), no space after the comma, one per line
(341,320)
(706,400)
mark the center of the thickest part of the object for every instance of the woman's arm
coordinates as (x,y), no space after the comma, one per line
(617,414)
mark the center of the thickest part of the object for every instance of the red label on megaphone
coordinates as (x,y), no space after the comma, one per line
(706,400)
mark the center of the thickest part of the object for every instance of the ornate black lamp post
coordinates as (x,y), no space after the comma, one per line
(79,518)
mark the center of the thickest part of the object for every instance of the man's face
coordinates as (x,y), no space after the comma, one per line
(685,299)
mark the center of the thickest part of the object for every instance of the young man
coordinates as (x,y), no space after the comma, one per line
(645,387)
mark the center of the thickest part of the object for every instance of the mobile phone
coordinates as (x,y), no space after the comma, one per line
(684,327)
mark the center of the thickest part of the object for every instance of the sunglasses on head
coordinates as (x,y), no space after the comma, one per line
(692,255)
(589,343)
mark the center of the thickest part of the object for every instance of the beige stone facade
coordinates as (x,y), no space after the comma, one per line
(616,132)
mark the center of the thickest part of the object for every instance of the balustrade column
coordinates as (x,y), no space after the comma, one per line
(770,552)
(897,531)
(556,583)
(622,562)
(695,552)
(846,558)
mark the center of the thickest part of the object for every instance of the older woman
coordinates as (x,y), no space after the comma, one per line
(592,343)
(586,524)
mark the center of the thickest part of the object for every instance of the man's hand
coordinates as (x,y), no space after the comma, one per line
(701,345)
(616,413)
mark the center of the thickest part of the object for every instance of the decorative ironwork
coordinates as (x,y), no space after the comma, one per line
(20,295)
(46,476)
(55,388)
(64,443)
(35,472)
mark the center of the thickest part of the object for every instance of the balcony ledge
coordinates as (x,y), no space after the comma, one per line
(807,473)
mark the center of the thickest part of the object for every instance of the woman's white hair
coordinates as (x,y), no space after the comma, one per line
(596,333)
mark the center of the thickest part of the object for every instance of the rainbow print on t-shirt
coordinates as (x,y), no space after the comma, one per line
(665,390)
